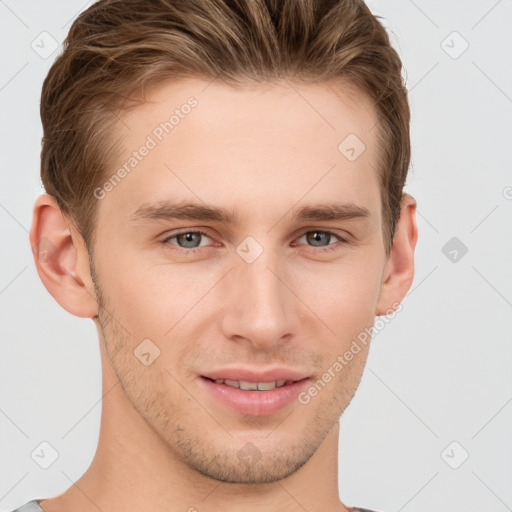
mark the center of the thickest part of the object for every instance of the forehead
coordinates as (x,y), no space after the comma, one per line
(265,145)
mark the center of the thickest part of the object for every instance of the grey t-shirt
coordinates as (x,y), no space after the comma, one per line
(33,506)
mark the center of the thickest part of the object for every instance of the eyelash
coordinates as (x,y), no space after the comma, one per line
(330,247)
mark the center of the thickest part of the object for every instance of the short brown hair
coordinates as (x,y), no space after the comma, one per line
(116,48)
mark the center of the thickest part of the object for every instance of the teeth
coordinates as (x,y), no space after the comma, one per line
(253,386)
(248,386)
(266,386)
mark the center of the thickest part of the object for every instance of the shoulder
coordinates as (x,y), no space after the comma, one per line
(31,506)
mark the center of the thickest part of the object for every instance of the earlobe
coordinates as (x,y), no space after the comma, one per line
(399,270)
(61,258)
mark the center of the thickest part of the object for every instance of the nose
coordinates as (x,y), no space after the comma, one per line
(258,306)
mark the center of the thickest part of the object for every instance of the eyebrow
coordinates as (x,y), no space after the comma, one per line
(196,211)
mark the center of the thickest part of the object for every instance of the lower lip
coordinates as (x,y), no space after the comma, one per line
(255,403)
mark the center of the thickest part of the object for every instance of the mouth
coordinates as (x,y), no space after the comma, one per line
(254,396)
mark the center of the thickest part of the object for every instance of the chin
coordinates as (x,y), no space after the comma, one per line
(252,472)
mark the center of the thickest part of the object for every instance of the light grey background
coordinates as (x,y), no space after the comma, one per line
(437,373)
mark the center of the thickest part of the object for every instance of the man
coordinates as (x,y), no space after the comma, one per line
(225,200)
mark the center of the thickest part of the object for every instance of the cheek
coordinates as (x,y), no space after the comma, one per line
(136,284)
(343,295)
(160,301)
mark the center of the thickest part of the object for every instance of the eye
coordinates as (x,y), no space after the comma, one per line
(322,239)
(187,239)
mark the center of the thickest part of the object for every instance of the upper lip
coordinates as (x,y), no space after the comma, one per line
(269,375)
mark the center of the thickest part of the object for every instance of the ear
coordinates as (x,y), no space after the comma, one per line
(61,258)
(399,269)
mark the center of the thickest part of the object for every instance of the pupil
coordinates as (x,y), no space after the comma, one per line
(190,239)
(318,236)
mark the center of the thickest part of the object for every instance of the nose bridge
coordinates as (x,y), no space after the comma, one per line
(259,307)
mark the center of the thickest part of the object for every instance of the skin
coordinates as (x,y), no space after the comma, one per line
(264,151)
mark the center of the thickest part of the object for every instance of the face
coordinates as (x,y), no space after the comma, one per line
(244,244)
